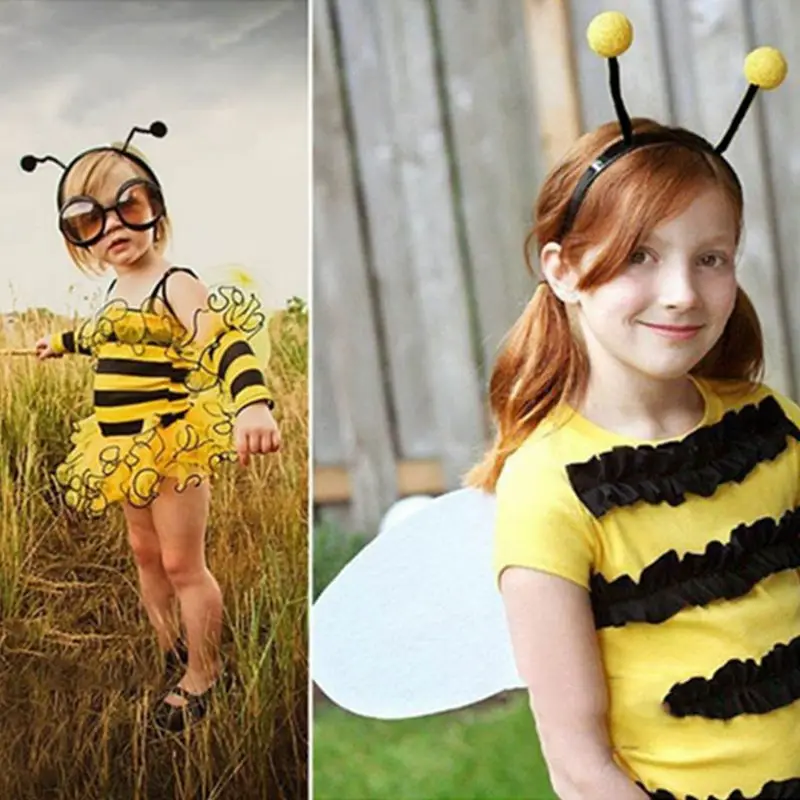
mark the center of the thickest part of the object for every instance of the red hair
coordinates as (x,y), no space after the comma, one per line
(542,361)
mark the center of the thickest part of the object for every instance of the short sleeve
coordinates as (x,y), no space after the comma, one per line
(540,523)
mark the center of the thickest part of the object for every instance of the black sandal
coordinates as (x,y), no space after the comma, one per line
(175,661)
(175,719)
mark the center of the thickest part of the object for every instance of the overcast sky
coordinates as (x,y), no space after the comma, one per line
(228,77)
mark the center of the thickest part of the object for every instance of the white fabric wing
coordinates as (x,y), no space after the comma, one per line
(414,624)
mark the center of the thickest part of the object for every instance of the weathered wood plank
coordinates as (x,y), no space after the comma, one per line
(332,483)
(776,23)
(525,136)
(398,291)
(719,34)
(680,65)
(436,260)
(557,100)
(326,442)
(342,302)
(488,101)
(684,67)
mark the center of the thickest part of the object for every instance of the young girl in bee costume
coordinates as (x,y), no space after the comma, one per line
(177,391)
(640,506)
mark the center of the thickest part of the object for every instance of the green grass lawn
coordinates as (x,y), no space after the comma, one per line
(485,753)
(489,752)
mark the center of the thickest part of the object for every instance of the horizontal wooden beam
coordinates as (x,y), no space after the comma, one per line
(421,476)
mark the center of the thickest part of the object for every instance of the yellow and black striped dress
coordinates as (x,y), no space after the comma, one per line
(689,549)
(164,402)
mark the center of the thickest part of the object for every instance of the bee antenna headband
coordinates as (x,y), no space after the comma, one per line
(157,129)
(610,34)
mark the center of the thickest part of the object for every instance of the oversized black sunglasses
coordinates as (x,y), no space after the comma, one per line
(139,205)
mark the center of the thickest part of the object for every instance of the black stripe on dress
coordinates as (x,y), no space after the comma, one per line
(129,428)
(168,419)
(143,369)
(236,350)
(250,377)
(111,398)
(726,451)
(773,790)
(131,366)
(741,687)
(721,572)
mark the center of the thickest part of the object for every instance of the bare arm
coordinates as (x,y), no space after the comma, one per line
(188,297)
(255,429)
(555,647)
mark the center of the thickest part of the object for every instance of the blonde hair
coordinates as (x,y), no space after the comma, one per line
(88,176)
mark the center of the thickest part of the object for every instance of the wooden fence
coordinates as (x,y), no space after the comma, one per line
(434,124)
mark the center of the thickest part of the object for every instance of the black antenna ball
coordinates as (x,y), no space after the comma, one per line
(158,129)
(28,163)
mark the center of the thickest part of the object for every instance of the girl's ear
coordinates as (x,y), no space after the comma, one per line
(561,277)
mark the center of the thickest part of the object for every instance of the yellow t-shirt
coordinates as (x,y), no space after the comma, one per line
(689,549)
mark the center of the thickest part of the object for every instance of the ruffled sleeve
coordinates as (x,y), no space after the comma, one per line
(219,345)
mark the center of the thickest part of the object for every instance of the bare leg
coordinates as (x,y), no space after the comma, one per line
(180,519)
(156,590)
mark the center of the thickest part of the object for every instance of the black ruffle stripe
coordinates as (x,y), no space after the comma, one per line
(741,687)
(721,572)
(720,453)
(773,790)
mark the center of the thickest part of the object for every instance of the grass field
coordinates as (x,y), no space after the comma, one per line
(79,667)
(489,752)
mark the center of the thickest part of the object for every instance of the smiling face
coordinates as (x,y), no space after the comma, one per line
(119,186)
(668,306)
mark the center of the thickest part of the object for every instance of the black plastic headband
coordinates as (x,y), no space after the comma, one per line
(620,148)
(157,129)
(108,148)
(610,34)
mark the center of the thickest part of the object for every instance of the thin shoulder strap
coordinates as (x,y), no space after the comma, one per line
(161,286)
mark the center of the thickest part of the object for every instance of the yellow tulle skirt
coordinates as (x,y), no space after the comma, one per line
(102,470)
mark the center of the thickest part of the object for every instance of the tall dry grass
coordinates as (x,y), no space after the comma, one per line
(79,665)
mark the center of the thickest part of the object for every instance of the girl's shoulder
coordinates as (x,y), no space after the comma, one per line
(732,395)
(542,459)
(176,274)
(177,282)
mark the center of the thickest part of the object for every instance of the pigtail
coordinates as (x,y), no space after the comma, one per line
(739,353)
(539,364)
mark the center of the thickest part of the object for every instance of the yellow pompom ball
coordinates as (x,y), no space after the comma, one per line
(610,34)
(765,67)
